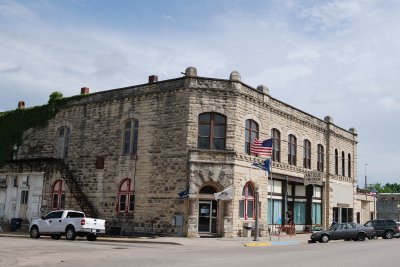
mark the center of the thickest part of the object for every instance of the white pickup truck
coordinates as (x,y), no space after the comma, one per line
(69,222)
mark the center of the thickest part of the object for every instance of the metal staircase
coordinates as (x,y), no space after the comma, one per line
(51,164)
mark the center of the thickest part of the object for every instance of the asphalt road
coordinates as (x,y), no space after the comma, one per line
(47,252)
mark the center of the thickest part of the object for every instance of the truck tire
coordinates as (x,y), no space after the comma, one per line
(388,234)
(91,237)
(70,233)
(34,232)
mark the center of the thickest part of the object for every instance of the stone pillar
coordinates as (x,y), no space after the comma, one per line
(192,230)
(228,220)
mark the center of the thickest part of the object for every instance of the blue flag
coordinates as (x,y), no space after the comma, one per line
(183,194)
(267,165)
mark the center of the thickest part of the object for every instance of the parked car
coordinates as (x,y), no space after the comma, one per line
(345,231)
(398,234)
(70,223)
(384,228)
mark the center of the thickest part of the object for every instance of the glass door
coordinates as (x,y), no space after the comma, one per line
(205,216)
(208,217)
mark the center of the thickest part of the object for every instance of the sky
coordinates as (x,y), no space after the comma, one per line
(336,58)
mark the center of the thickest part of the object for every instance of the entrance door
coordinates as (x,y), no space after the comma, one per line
(208,217)
(23,204)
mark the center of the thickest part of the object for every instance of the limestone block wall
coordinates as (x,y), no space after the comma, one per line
(168,113)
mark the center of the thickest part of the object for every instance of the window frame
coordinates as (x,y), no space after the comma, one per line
(212,125)
(63,140)
(128,193)
(292,149)
(58,194)
(246,199)
(276,145)
(336,162)
(251,126)
(307,154)
(343,164)
(129,147)
(349,165)
(320,158)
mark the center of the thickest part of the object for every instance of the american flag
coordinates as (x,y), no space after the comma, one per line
(262,148)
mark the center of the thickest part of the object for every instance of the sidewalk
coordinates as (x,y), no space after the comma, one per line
(186,241)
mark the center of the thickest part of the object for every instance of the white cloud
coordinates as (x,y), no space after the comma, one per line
(389,103)
(164,16)
(14,9)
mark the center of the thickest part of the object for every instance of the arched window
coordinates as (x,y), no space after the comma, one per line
(251,133)
(58,195)
(336,162)
(212,131)
(63,135)
(307,154)
(207,190)
(292,145)
(320,160)
(276,145)
(126,196)
(131,134)
(349,165)
(343,164)
(246,204)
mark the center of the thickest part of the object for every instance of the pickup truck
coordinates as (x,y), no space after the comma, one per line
(69,223)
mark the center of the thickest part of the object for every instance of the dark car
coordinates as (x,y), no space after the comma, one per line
(398,234)
(384,228)
(346,231)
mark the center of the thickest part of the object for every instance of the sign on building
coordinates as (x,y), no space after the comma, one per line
(313,177)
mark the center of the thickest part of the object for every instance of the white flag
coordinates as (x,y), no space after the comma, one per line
(226,194)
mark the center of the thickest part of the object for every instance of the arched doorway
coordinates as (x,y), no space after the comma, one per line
(208,211)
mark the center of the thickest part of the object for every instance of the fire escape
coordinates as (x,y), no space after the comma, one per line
(50,164)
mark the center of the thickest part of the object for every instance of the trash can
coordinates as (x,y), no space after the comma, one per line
(247,227)
(15,224)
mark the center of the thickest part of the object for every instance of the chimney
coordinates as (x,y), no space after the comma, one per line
(84,90)
(21,104)
(153,78)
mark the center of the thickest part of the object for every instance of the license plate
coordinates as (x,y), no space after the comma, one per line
(93,230)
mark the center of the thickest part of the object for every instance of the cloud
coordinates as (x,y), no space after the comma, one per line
(10,70)
(14,9)
(164,16)
(328,14)
(389,103)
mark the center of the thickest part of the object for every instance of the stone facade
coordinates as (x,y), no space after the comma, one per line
(168,158)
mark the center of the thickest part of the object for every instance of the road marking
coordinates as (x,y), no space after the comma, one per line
(261,244)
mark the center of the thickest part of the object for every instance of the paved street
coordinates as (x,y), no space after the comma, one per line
(200,252)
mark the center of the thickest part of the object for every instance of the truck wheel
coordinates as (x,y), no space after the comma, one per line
(34,233)
(388,235)
(56,237)
(91,237)
(70,233)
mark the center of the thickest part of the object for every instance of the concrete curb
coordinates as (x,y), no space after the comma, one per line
(186,241)
(108,239)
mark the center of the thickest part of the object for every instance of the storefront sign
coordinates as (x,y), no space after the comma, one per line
(314,177)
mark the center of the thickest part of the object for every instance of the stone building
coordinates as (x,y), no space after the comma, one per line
(125,154)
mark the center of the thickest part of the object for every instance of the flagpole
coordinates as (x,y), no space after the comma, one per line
(270,197)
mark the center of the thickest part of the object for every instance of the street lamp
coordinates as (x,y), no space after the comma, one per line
(366,184)
(256,187)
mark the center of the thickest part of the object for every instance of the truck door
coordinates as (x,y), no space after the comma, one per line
(50,222)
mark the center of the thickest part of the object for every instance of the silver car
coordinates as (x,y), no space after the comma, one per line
(345,231)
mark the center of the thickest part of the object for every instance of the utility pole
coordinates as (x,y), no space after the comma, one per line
(366,184)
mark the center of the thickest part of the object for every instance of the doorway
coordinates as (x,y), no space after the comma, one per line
(208,213)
